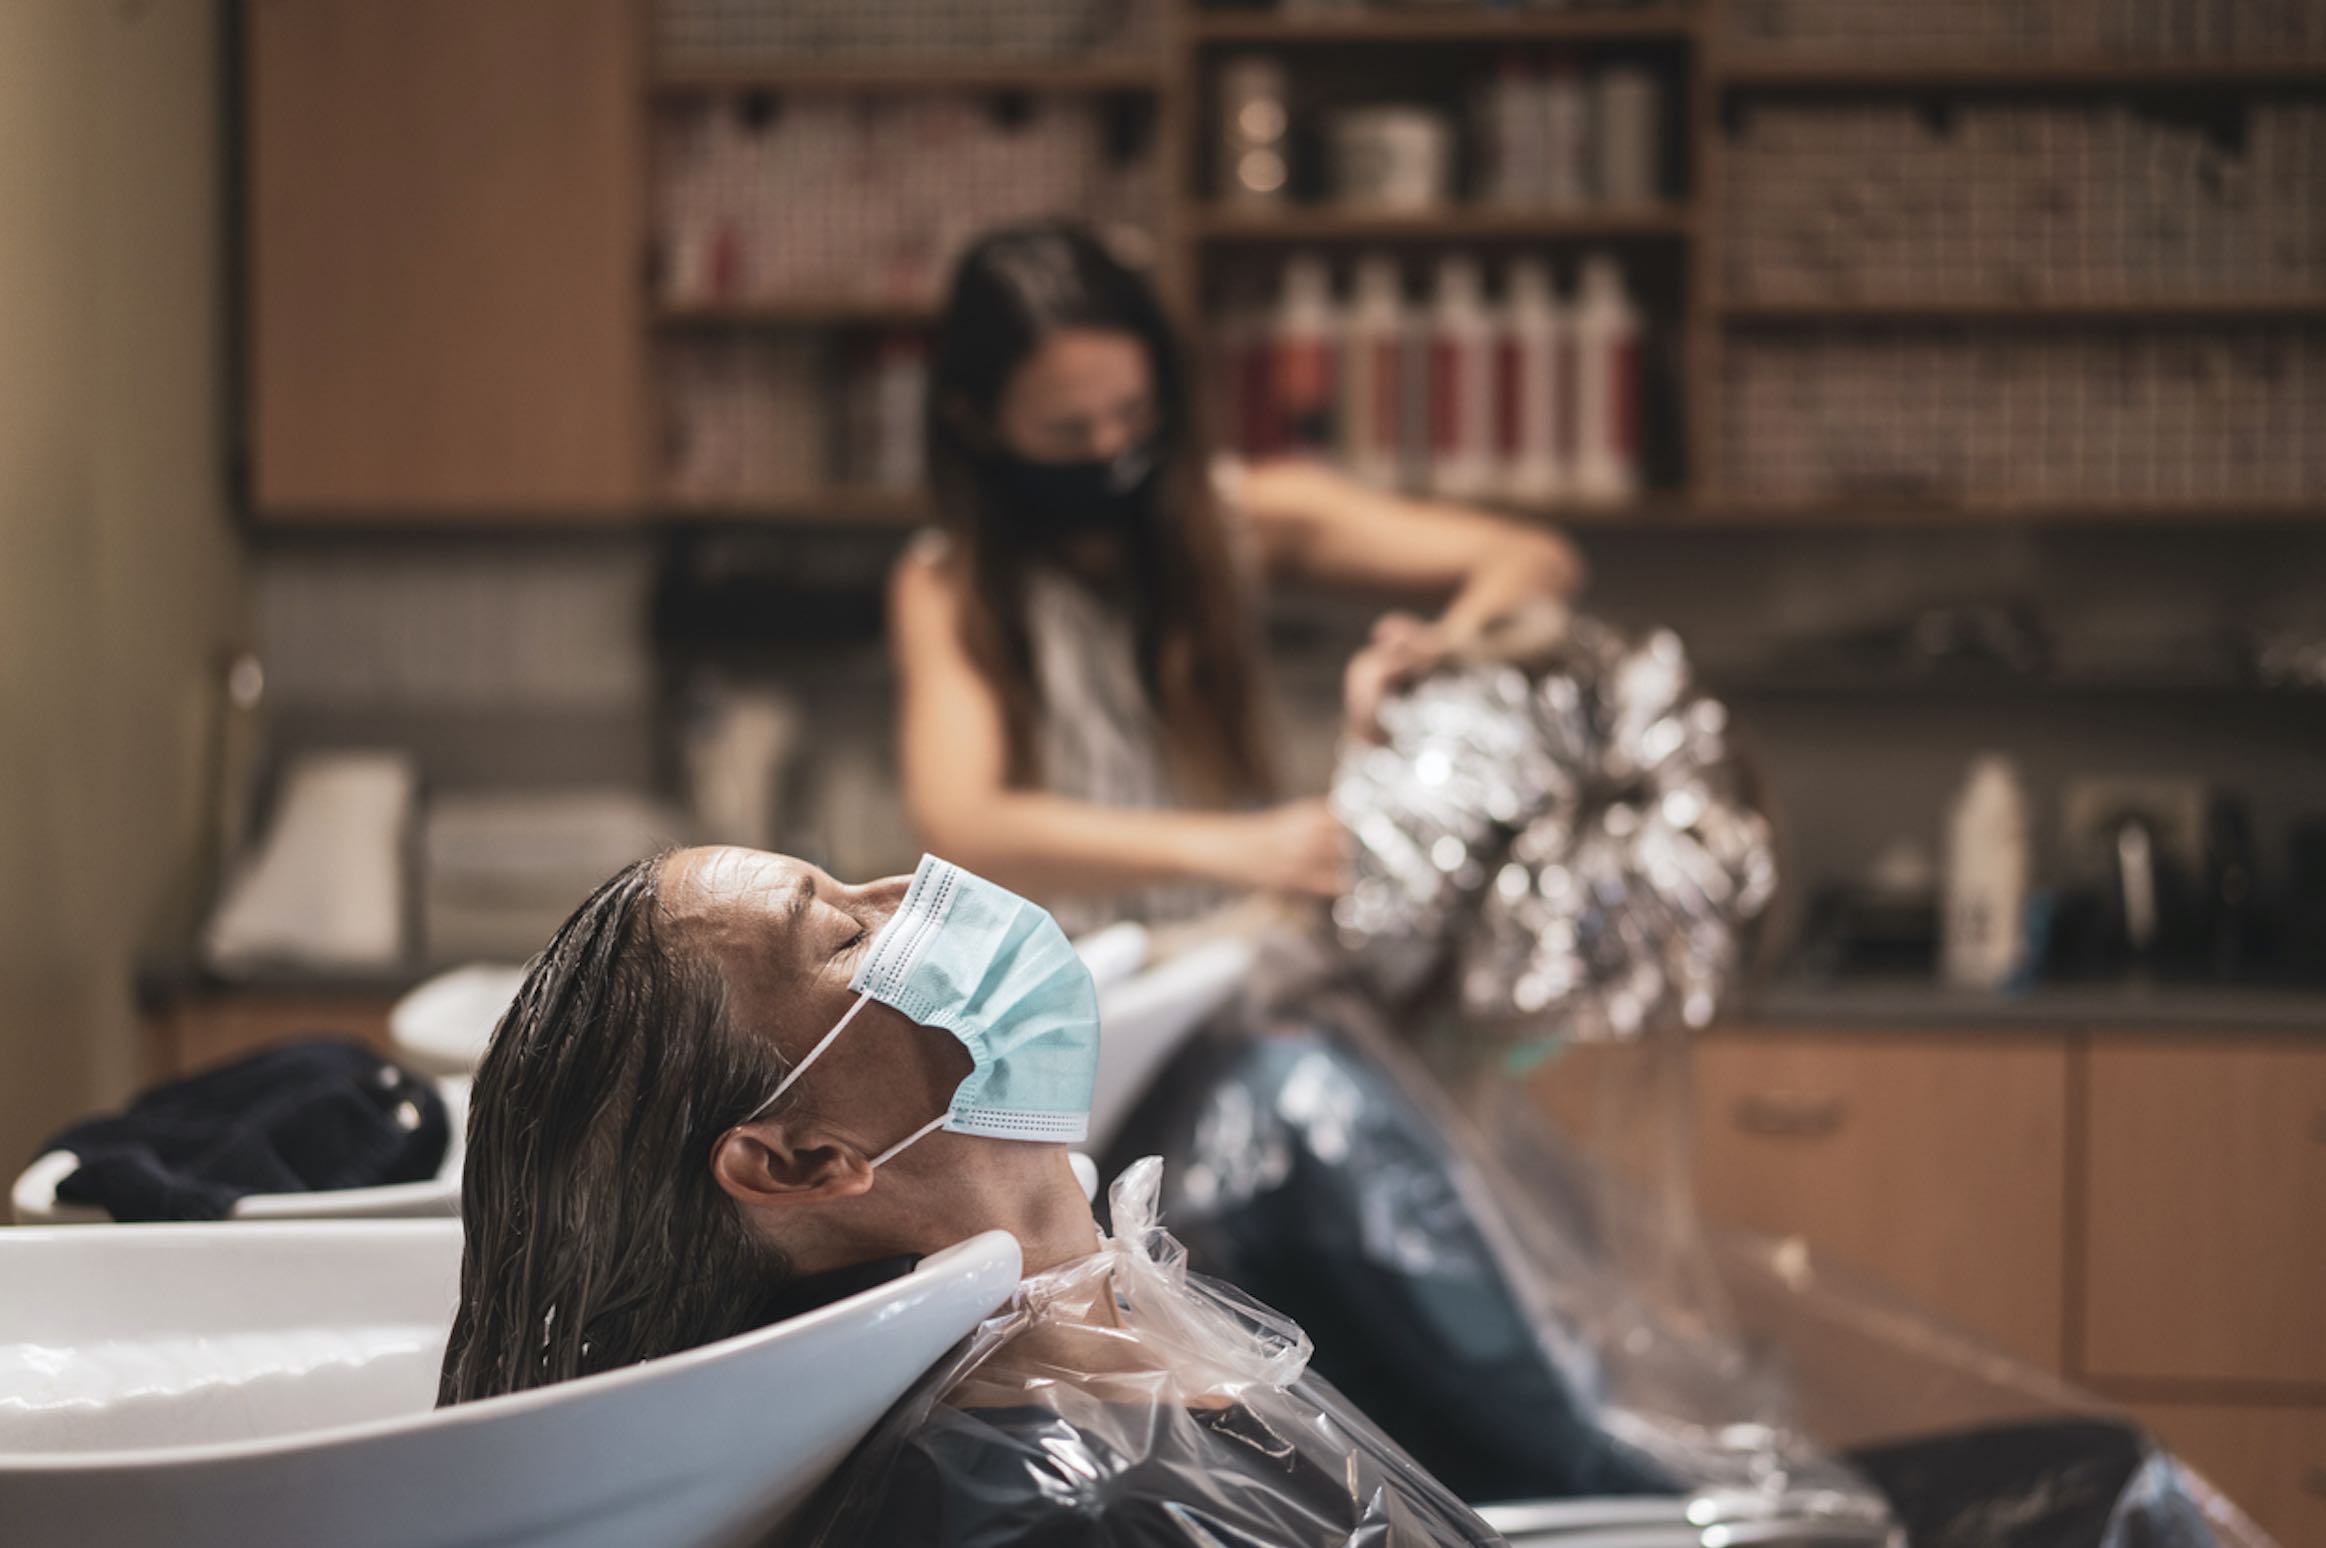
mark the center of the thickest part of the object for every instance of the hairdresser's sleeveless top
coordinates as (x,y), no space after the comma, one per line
(1096,737)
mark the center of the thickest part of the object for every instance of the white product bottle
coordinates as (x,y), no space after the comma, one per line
(901,384)
(1512,133)
(1374,361)
(1564,110)
(1530,387)
(1461,383)
(1628,147)
(1607,387)
(1302,350)
(1984,930)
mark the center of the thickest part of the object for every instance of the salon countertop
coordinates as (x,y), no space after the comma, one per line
(165,979)
(2131,1007)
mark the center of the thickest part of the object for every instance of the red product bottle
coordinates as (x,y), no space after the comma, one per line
(1305,351)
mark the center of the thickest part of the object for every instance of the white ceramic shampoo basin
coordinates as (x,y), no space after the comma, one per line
(34,1199)
(1145,1013)
(221,1386)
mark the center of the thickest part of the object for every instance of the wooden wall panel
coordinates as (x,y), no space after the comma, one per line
(2206,1249)
(1934,1164)
(444,251)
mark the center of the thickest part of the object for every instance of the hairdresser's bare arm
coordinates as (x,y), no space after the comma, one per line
(954,749)
(1318,525)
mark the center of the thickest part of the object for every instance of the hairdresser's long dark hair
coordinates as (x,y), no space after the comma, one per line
(595,1235)
(1193,633)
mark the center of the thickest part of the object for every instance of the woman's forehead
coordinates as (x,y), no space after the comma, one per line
(724,876)
(1081,362)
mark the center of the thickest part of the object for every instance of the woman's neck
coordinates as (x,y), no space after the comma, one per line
(1095,559)
(1034,1196)
(1048,1214)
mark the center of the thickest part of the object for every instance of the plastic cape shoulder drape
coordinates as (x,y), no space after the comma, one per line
(1122,1400)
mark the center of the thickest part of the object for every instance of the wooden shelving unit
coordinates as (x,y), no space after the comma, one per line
(548,231)
(1709,71)
(1740,72)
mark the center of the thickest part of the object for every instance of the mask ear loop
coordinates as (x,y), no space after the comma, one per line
(914,1138)
(814,1054)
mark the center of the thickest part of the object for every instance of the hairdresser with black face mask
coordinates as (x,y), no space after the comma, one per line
(1082,704)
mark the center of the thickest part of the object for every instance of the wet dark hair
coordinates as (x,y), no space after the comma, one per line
(595,1234)
(1012,290)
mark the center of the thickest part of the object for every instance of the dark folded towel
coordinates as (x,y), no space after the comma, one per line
(301,1118)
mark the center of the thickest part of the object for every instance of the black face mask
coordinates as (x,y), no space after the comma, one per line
(1053,500)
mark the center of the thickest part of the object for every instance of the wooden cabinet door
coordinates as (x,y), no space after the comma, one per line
(443,285)
(2270,1462)
(2206,1247)
(1937,1166)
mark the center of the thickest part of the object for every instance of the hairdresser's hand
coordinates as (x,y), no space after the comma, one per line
(1403,648)
(1299,848)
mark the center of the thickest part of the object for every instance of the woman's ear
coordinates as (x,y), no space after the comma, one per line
(772,1162)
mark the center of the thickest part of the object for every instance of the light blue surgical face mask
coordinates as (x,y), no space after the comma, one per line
(976,960)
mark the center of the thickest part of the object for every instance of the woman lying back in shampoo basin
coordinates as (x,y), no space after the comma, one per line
(733,1087)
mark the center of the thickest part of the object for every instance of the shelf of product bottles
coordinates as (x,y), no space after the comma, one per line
(2213,308)
(1778,74)
(1460,223)
(1480,24)
(1007,75)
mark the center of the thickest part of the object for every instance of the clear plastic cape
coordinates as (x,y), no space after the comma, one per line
(1535,1328)
(1538,1328)
(1121,1399)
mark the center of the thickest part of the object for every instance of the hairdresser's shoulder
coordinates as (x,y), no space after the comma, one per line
(931,549)
(1294,489)
(925,582)
(932,560)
